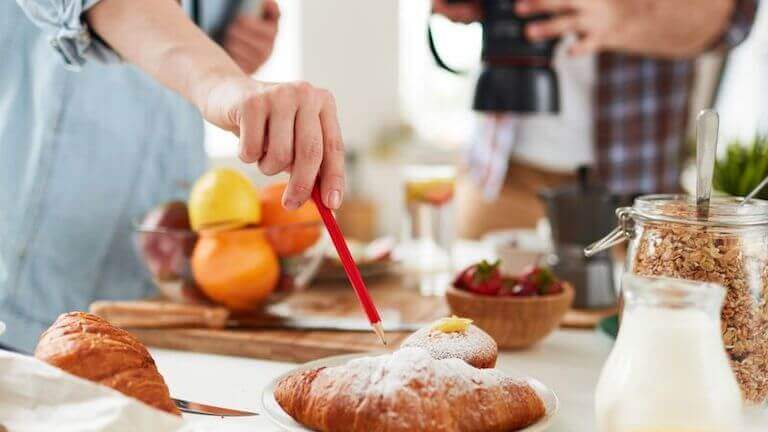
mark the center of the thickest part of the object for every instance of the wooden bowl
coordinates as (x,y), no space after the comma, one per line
(515,322)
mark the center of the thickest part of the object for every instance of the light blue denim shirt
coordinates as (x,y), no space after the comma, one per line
(87,144)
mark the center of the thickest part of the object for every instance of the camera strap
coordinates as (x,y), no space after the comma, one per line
(435,54)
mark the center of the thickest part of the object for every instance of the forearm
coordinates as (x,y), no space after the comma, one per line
(158,37)
(671,28)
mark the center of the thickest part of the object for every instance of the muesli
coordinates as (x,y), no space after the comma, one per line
(736,259)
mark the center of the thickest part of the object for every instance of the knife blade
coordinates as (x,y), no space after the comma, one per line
(210,410)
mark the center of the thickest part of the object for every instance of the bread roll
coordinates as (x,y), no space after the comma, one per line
(472,345)
(89,347)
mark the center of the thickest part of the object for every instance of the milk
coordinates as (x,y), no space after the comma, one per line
(668,372)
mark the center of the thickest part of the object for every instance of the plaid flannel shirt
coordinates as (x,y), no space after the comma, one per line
(641,113)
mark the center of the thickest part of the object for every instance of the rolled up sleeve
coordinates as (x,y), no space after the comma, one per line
(70,37)
(740,25)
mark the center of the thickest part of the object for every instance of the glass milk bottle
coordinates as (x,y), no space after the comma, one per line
(668,371)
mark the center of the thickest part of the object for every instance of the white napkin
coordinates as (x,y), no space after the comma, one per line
(35,396)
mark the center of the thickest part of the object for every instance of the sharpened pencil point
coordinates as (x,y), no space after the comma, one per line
(379,330)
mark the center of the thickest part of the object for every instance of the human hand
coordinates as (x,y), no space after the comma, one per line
(289,127)
(663,28)
(593,21)
(464,12)
(250,38)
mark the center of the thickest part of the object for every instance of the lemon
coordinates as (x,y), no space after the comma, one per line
(452,324)
(223,197)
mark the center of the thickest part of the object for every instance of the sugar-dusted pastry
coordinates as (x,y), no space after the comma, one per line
(89,347)
(406,391)
(455,337)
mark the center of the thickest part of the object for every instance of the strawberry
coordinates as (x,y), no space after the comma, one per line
(525,289)
(553,288)
(481,278)
(508,286)
(515,288)
(541,280)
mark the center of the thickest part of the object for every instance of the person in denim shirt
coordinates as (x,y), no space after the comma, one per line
(100,120)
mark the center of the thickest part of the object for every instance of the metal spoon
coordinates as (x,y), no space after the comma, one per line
(706,148)
(755,191)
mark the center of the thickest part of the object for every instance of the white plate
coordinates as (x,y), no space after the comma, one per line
(274,412)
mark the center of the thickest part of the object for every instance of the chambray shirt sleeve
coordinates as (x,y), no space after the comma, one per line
(70,37)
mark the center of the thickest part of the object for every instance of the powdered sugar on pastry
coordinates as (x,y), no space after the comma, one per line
(474,345)
(390,373)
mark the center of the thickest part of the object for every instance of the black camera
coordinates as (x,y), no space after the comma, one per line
(518,74)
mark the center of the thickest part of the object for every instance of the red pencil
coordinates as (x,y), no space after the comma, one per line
(353,273)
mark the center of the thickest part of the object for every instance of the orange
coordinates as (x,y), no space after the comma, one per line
(237,268)
(290,231)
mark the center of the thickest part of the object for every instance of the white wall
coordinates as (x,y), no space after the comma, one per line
(347,46)
(351,48)
(743,99)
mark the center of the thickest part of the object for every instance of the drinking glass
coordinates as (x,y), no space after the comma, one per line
(429,226)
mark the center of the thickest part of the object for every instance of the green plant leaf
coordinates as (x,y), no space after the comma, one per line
(744,166)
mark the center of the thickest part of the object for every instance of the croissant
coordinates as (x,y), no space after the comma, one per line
(89,347)
(408,390)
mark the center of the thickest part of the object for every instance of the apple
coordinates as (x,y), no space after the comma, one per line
(166,241)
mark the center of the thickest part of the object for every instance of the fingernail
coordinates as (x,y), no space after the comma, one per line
(334,199)
(291,204)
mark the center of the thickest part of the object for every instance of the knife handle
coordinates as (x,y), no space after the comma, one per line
(159,314)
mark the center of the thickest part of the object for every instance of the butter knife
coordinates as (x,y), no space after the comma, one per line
(210,410)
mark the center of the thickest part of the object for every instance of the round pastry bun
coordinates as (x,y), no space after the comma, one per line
(472,345)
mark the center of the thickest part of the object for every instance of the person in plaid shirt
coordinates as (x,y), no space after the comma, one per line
(626,71)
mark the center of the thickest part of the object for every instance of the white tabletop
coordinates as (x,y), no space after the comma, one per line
(568,361)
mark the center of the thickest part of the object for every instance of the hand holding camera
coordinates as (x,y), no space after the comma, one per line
(661,28)
(594,22)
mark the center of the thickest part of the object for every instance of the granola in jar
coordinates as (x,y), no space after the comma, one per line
(729,247)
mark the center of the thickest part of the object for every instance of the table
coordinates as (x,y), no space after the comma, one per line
(569,361)
(237,382)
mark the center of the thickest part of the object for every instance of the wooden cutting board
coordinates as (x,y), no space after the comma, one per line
(212,329)
(395,303)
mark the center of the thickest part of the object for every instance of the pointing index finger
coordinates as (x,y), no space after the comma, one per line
(332,178)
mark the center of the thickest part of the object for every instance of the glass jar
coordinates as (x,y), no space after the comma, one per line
(728,247)
(668,370)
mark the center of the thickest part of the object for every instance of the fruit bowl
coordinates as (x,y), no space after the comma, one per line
(515,322)
(297,249)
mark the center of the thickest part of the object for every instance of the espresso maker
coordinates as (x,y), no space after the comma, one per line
(517,73)
(576,212)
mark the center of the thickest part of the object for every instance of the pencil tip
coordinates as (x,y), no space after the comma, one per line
(379,330)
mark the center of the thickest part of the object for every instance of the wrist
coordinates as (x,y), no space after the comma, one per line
(220,95)
(212,81)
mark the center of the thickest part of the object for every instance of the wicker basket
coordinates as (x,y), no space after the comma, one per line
(515,322)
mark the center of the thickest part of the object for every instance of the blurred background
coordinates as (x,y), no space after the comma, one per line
(398,107)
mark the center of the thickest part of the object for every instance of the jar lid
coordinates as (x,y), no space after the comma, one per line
(723,211)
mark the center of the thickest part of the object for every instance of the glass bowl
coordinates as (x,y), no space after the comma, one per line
(167,254)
